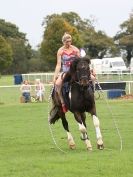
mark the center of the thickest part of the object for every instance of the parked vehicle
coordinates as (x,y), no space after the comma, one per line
(131,66)
(97,65)
(113,65)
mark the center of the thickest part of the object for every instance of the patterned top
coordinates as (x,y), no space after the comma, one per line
(25,88)
(39,87)
(67,59)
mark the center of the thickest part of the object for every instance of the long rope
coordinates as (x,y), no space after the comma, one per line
(113,118)
(50,129)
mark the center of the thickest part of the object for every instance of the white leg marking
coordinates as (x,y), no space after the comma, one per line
(88,145)
(82,128)
(97,127)
(70,140)
(70,94)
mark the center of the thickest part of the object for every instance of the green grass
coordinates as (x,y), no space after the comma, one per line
(27,148)
(6,80)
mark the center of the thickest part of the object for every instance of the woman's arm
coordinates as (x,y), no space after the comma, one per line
(58,66)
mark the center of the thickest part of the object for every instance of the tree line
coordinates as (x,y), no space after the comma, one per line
(17,55)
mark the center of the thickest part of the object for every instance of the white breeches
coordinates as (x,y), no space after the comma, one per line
(39,93)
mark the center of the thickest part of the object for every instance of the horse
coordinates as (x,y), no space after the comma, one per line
(78,94)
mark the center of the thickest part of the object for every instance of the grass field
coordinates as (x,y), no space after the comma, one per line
(27,148)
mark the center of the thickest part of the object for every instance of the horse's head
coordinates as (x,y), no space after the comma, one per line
(81,70)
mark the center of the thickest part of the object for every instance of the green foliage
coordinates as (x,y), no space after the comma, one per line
(5,54)
(35,64)
(75,20)
(52,41)
(8,29)
(98,44)
(125,37)
(21,50)
(20,56)
(83,34)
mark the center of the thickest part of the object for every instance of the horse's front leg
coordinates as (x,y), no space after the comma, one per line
(80,118)
(71,142)
(98,132)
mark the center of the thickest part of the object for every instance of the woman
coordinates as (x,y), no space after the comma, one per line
(39,89)
(26,89)
(64,55)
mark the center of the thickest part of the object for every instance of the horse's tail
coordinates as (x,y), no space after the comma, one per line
(54,115)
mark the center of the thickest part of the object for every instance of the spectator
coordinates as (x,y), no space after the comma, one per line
(25,89)
(39,89)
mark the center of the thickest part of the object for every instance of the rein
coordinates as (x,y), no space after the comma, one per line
(78,82)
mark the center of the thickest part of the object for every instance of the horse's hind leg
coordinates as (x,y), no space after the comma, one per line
(71,142)
(98,132)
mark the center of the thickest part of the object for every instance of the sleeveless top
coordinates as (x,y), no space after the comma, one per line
(25,88)
(67,59)
(39,87)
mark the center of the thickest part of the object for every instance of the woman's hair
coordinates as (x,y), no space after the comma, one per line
(25,81)
(66,36)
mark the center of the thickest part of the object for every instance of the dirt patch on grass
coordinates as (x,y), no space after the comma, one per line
(127,97)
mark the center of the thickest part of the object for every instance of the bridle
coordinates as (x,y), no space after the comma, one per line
(83,76)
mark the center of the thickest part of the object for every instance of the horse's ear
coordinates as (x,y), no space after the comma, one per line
(74,64)
(87,60)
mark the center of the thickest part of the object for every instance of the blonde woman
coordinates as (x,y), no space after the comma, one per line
(39,89)
(64,56)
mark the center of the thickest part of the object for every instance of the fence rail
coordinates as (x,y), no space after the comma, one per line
(48,77)
(11,94)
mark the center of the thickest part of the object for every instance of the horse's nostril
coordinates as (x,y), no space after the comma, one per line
(84,81)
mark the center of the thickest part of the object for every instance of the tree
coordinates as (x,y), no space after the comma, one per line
(98,44)
(5,54)
(124,38)
(21,49)
(8,29)
(21,56)
(35,64)
(75,20)
(55,29)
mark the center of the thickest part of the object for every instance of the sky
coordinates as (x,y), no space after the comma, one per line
(28,15)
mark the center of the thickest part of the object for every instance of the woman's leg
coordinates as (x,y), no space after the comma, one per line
(58,85)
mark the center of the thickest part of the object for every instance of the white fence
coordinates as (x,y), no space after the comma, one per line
(11,94)
(44,77)
(48,77)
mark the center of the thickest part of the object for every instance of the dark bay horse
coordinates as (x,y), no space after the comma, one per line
(78,95)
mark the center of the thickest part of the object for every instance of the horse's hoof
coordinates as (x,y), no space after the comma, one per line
(88,144)
(100,146)
(89,149)
(72,146)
